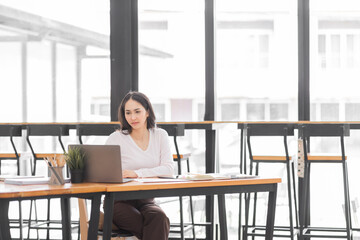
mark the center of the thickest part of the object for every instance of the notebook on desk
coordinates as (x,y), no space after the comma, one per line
(102,163)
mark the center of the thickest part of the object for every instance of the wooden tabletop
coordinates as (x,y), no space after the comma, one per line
(137,186)
(22,191)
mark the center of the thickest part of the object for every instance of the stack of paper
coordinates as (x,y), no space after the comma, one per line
(214,176)
(27,180)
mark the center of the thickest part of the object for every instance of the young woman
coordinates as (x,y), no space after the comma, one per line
(145,152)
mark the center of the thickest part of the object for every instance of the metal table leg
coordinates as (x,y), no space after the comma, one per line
(4,220)
(66,218)
(222,217)
(270,221)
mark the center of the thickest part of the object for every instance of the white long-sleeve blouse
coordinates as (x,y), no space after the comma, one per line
(156,160)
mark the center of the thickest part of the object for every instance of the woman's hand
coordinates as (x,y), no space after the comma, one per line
(129,174)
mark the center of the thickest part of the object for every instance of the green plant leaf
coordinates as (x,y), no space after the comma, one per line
(75,158)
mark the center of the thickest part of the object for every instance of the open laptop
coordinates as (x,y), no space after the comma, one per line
(102,163)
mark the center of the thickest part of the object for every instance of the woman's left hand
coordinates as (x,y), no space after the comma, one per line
(129,174)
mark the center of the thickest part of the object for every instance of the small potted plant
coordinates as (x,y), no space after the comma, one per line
(75,159)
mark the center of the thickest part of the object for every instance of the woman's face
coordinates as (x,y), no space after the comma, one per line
(135,114)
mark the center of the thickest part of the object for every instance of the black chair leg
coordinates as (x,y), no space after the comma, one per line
(255,199)
(290,201)
(181,219)
(191,205)
(29,223)
(347,202)
(34,169)
(307,200)
(30,217)
(294,193)
(48,220)
(247,207)
(240,219)
(18,166)
(302,207)
(20,221)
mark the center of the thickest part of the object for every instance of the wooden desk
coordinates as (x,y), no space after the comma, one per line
(9,192)
(136,190)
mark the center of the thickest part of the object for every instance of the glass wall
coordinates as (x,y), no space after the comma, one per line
(256,75)
(54,59)
(172,75)
(171,61)
(334,96)
(256,54)
(54,67)
(171,65)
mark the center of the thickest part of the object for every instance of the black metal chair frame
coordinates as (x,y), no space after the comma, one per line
(45,130)
(55,130)
(13,131)
(178,130)
(272,130)
(100,130)
(94,130)
(323,130)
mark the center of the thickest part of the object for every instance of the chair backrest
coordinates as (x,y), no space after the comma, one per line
(274,129)
(174,130)
(10,130)
(324,130)
(96,129)
(306,131)
(56,130)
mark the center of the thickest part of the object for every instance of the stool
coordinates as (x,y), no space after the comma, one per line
(176,130)
(275,131)
(309,131)
(44,130)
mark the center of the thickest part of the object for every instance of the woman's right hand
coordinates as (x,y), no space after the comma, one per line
(129,174)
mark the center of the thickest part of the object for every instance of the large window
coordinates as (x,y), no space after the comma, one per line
(55,63)
(171,61)
(54,67)
(172,75)
(334,96)
(256,58)
(256,73)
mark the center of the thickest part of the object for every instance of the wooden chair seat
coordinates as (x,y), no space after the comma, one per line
(184,156)
(325,157)
(270,158)
(38,155)
(8,155)
(44,155)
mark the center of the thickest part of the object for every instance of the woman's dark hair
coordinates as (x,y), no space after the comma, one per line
(145,102)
